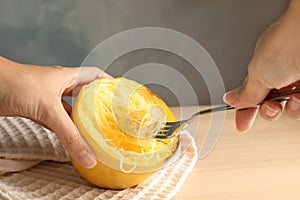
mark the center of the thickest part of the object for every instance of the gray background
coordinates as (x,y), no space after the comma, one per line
(63,32)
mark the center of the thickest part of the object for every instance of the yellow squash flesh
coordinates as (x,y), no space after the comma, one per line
(113,116)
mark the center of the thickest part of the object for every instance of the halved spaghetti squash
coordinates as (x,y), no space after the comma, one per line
(116,118)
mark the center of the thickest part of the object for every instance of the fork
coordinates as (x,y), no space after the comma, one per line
(172,129)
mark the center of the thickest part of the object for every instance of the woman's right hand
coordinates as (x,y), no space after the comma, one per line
(274,65)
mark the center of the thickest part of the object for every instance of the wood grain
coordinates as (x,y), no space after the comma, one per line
(261,164)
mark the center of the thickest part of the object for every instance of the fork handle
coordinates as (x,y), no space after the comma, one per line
(280,96)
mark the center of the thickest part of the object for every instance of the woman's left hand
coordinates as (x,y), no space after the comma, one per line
(36,93)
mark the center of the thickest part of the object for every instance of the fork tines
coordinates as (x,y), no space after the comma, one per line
(169,130)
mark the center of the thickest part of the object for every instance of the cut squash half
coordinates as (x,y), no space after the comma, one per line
(117,119)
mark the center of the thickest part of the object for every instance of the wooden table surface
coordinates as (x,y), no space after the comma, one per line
(263,164)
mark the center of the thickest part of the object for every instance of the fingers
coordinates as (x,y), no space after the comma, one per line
(250,94)
(60,122)
(82,76)
(88,74)
(271,110)
(245,118)
(245,97)
(293,107)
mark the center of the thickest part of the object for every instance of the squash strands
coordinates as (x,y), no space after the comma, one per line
(116,118)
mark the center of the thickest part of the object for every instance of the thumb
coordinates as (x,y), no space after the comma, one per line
(66,131)
(249,94)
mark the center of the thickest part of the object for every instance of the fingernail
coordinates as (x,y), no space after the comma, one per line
(270,112)
(86,160)
(231,96)
(295,104)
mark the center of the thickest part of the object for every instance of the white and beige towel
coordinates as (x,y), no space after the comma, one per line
(34,165)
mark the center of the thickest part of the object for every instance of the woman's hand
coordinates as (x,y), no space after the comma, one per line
(274,65)
(36,93)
